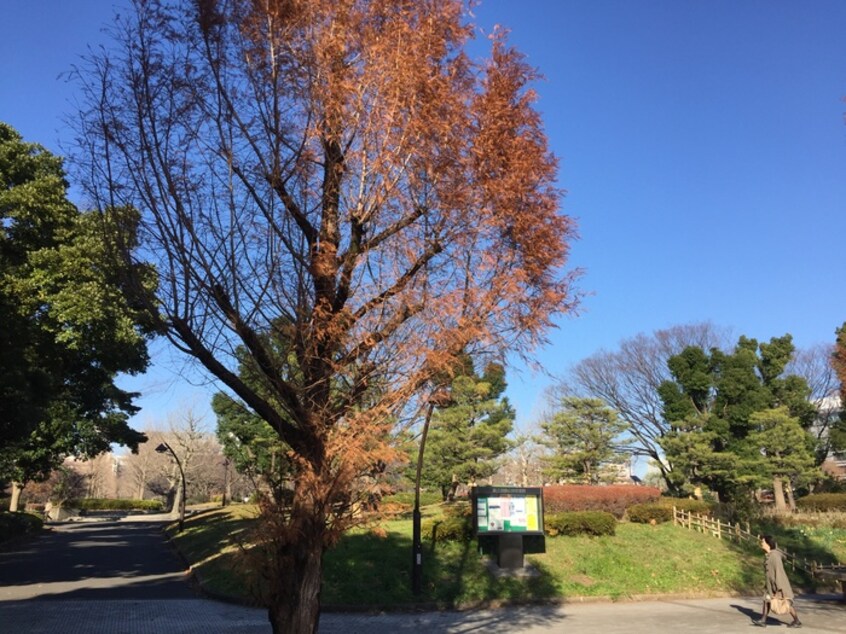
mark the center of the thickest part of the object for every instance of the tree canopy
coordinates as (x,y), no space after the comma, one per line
(68,330)
(344,171)
(585,437)
(724,411)
(468,435)
(627,380)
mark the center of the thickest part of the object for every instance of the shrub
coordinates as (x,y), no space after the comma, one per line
(651,512)
(103,504)
(662,509)
(448,529)
(580,523)
(407,498)
(809,519)
(456,525)
(16,524)
(614,499)
(823,502)
(460,509)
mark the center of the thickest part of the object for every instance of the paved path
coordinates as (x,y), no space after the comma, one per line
(199,616)
(121,578)
(94,560)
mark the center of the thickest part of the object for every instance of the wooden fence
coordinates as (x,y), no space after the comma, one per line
(743,533)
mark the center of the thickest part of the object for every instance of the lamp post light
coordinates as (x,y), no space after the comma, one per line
(163,448)
(438,397)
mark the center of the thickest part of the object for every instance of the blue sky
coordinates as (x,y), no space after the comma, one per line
(702,146)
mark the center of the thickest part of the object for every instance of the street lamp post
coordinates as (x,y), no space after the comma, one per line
(417,544)
(162,448)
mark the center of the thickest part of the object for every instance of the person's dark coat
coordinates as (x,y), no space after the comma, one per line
(775,576)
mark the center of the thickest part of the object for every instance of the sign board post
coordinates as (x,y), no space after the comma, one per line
(509,515)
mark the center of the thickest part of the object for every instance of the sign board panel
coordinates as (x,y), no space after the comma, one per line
(507,510)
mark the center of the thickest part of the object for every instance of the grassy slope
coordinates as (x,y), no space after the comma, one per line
(370,568)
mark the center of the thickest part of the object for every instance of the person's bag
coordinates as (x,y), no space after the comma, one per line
(779,605)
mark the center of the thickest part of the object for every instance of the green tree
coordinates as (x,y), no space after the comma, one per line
(68,330)
(251,444)
(788,451)
(585,437)
(468,436)
(709,406)
(837,432)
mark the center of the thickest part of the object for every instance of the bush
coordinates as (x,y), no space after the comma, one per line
(823,502)
(580,523)
(662,509)
(809,519)
(614,499)
(16,524)
(103,504)
(407,498)
(448,529)
(649,513)
(456,525)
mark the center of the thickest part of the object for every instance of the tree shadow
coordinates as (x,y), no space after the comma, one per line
(103,559)
(368,571)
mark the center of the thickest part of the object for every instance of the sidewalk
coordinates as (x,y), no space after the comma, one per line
(202,616)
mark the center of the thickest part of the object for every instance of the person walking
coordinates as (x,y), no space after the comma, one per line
(776,584)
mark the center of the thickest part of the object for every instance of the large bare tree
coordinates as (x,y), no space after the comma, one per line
(627,379)
(342,173)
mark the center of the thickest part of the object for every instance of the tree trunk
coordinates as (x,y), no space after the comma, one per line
(295,608)
(177,500)
(17,488)
(778,494)
(791,500)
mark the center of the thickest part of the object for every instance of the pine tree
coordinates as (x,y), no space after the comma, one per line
(467,436)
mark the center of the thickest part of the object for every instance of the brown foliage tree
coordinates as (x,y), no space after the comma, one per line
(342,172)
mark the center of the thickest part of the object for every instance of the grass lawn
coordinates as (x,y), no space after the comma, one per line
(371,567)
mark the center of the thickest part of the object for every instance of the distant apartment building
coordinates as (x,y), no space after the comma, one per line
(829,409)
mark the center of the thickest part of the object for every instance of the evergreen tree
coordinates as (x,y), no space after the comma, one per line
(69,327)
(467,436)
(837,433)
(787,448)
(584,435)
(714,406)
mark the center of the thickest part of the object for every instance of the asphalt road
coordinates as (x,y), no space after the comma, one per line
(123,578)
(94,560)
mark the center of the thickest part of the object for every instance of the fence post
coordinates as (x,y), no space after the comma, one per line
(675,523)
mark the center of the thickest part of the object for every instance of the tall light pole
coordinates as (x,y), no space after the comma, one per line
(416,542)
(439,397)
(162,448)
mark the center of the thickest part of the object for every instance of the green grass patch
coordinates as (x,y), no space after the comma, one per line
(372,567)
(210,542)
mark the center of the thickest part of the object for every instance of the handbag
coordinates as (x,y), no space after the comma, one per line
(779,605)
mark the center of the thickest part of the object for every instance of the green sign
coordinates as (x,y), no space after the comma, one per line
(503,510)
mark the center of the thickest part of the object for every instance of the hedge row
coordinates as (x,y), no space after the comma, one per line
(823,502)
(662,510)
(15,524)
(104,504)
(580,523)
(407,498)
(614,499)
